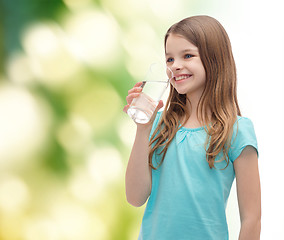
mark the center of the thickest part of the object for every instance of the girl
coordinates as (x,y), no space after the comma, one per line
(186,158)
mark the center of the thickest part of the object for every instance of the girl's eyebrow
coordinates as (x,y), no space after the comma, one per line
(183,51)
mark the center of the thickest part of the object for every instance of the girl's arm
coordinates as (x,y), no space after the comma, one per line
(138,177)
(249,197)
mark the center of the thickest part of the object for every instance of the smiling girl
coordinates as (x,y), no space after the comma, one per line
(186,158)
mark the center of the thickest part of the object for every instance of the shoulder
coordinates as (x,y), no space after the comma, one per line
(243,135)
(243,120)
(243,124)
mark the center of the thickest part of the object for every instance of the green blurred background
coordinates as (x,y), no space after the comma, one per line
(65,69)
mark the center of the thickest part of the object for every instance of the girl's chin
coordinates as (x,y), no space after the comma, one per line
(180,91)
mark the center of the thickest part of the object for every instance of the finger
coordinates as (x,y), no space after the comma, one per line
(130,97)
(135,89)
(125,108)
(138,84)
(159,106)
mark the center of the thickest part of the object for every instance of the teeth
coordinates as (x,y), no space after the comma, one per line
(182,77)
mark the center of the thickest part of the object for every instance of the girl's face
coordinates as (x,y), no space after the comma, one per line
(183,59)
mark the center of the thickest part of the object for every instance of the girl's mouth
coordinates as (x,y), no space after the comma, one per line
(182,77)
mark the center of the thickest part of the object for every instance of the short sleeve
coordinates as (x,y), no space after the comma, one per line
(155,123)
(243,136)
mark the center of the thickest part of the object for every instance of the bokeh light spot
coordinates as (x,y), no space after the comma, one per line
(14,194)
(98,105)
(75,134)
(94,35)
(23,125)
(45,46)
(104,165)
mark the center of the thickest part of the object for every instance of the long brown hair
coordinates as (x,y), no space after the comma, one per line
(219,95)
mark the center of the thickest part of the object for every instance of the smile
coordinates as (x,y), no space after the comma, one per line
(181,77)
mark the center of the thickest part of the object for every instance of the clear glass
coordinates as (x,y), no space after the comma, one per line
(154,86)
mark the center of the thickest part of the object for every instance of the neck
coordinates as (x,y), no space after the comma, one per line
(192,101)
(193,121)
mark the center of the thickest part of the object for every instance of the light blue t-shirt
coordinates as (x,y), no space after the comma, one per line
(188,199)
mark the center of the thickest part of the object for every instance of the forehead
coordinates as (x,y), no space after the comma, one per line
(177,43)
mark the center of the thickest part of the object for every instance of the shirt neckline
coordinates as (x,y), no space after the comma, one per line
(192,129)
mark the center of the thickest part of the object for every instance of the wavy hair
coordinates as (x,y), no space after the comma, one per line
(219,95)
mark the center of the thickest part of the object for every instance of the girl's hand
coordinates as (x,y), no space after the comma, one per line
(134,93)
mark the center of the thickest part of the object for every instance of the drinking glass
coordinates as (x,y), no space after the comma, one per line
(153,87)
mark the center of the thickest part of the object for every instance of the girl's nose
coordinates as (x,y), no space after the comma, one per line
(176,66)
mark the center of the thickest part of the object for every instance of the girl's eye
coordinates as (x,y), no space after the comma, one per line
(170,60)
(188,56)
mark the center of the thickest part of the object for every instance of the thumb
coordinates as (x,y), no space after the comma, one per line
(159,106)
